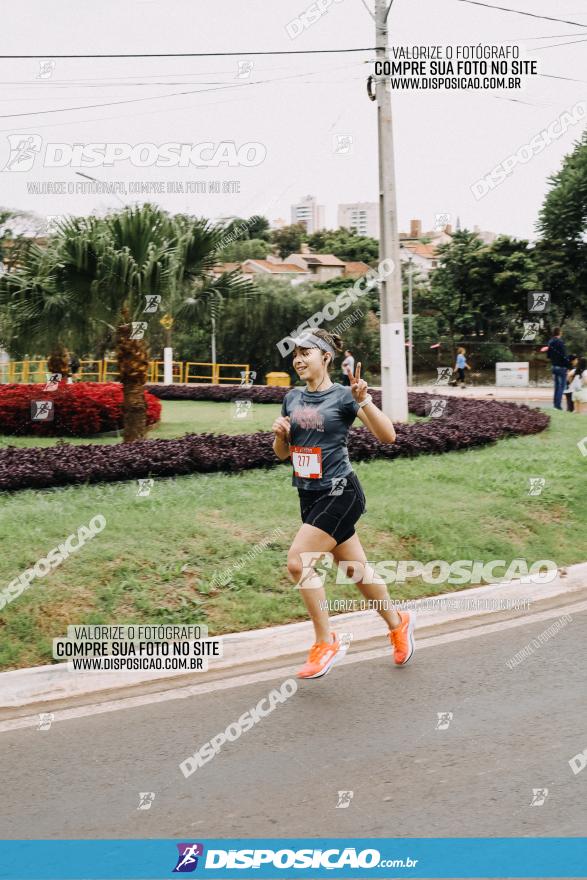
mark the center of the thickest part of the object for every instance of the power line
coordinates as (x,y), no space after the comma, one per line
(242,54)
(519,12)
(173,94)
(554,45)
(168,95)
(569,78)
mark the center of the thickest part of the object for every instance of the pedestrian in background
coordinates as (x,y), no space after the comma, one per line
(573,361)
(579,387)
(557,355)
(348,368)
(461,365)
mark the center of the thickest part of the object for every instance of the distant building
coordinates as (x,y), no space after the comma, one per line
(271,267)
(423,256)
(309,213)
(322,267)
(362,217)
(355,269)
(485,236)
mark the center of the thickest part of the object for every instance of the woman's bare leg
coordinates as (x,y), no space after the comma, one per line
(313,543)
(371,585)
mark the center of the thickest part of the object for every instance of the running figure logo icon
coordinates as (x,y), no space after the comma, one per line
(531,329)
(538,301)
(342,144)
(146,798)
(539,795)
(23,151)
(42,410)
(188,857)
(444,374)
(53,380)
(46,69)
(242,408)
(537,484)
(344,799)
(145,486)
(244,68)
(338,485)
(152,302)
(440,221)
(310,569)
(138,329)
(444,719)
(436,407)
(45,720)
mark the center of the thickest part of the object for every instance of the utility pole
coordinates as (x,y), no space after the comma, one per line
(394,389)
(410,327)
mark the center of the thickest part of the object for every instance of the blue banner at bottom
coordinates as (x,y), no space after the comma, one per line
(286,858)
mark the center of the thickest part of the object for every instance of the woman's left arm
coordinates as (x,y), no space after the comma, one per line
(377,422)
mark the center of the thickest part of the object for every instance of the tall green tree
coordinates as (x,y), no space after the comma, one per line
(561,252)
(288,239)
(345,244)
(479,289)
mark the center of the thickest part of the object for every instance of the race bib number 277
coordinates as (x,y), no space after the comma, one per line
(307,461)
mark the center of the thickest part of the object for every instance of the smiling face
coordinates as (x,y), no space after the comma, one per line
(308,363)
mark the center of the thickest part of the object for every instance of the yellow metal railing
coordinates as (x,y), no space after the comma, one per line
(156,371)
(90,371)
(212,376)
(35,371)
(109,374)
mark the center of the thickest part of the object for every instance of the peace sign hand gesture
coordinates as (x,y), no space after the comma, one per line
(358,386)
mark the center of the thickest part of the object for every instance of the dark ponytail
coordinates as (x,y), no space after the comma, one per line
(333,339)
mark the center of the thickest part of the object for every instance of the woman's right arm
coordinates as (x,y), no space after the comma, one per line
(281,429)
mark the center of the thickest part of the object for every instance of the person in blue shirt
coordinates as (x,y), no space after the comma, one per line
(461,365)
(559,361)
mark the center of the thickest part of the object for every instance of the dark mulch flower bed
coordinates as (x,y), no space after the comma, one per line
(256,393)
(465,423)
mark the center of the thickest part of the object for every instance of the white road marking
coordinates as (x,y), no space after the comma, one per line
(283,672)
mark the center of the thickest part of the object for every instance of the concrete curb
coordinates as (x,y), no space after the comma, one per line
(269,647)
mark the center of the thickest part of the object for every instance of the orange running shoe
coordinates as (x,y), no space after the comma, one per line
(322,657)
(402,638)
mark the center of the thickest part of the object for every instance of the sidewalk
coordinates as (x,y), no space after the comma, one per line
(26,691)
(538,394)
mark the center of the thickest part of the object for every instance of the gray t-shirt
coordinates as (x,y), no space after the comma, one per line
(320,421)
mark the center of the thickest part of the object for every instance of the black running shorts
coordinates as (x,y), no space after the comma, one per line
(335,514)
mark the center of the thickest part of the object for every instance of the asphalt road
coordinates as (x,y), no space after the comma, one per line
(366,728)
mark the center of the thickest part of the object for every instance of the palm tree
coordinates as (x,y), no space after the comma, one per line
(39,315)
(92,280)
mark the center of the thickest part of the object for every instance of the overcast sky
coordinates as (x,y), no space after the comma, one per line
(295,106)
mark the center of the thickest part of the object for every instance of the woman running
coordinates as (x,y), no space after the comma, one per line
(312,430)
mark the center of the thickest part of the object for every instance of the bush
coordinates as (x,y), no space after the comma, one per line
(465,423)
(220,393)
(79,410)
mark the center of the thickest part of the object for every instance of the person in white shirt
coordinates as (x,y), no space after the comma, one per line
(578,387)
(348,368)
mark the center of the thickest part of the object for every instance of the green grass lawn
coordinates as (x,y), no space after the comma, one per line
(155,559)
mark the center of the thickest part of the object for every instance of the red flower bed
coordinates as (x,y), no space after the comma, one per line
(79,410)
